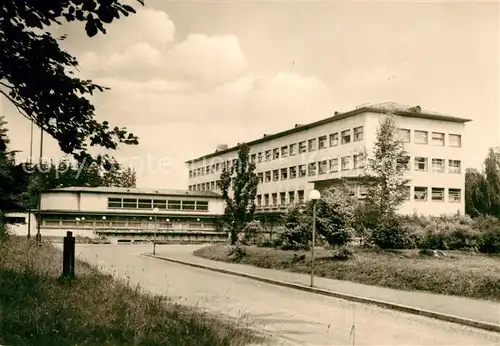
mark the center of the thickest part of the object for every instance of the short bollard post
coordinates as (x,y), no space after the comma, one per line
(69,256)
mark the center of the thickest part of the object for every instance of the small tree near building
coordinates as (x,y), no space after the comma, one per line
(242,181)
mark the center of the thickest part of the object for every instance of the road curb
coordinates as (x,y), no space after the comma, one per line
(397,307)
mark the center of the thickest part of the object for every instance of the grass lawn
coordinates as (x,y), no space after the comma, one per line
(37,308)
(457,273)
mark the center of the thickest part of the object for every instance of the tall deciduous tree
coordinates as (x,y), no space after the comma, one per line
(492,176)
(38,77)
(239,188)
(477,194)
(385,169)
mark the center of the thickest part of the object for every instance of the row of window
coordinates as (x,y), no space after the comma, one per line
(346,163)
(436,138)
(331,140)
(420,193)
(161,204)
(313,144)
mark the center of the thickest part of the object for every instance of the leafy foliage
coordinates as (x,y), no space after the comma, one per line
(66,173)
(384,170)
(242,181)
(482,190)
(38,77)
(296,231)
(13,178)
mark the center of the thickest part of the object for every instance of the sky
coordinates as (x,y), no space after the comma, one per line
(188,76)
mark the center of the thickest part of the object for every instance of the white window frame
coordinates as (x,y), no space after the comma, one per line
(417,162)
(345,163)
(421,189)
(435,169)
(421,132)
(453,138)
(346,136)
(404,135)
(334,139)
(438,138)
(437,191)
(457,192)
(358,133)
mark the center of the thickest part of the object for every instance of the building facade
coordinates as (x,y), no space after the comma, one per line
(130,213)
(314,156)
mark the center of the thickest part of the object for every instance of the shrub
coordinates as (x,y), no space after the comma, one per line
(236,253)
(342,253)
(391,233)
(252,233)
(489,241)
(294,238)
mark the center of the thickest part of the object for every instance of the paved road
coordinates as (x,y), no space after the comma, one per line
(299,318)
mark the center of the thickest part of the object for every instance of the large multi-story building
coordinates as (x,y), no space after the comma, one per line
(314,156)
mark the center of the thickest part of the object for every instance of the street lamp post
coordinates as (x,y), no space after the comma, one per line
(314,196)
(155,211)
(78,219)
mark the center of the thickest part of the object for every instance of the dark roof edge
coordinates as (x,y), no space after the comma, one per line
(331,119)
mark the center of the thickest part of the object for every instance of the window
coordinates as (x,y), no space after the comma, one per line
(421,137)
(202,205)
(276,154)
(302,171)
(253,159)
(358,133)
(302,147)
(346,163)
(276,174)
(334,139)
(275,199)
(455,140)
(323,167)
(421,164)
(268,176)
(261,177)
(293,149)
(114,202)
(454,195)
(190,174)
(284,151)
(334,165)
(284,174)
(437,138)
(145,204)
(174,205)
(312,168)
(293,172)
(188,205)
(300,195)
(130,203)
(282,198)
(259,200)
(358,161)
(404,135)
(291,197)
(322,142)
(266,200)
(346,136)
(438,165)
(420,193)
(268,154)
(311,144)
(190,187)
(403,163)
(407,192)
(259,157)
(454,166)
(437,194)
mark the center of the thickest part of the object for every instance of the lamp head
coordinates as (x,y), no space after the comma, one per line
(314,195)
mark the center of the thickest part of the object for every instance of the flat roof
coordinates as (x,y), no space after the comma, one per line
(134,191)
(381,108)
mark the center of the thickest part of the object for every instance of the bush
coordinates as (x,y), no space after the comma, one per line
(294,238)
(236,253)
(489,241)
(342,253)
(391,233)
(252,233)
